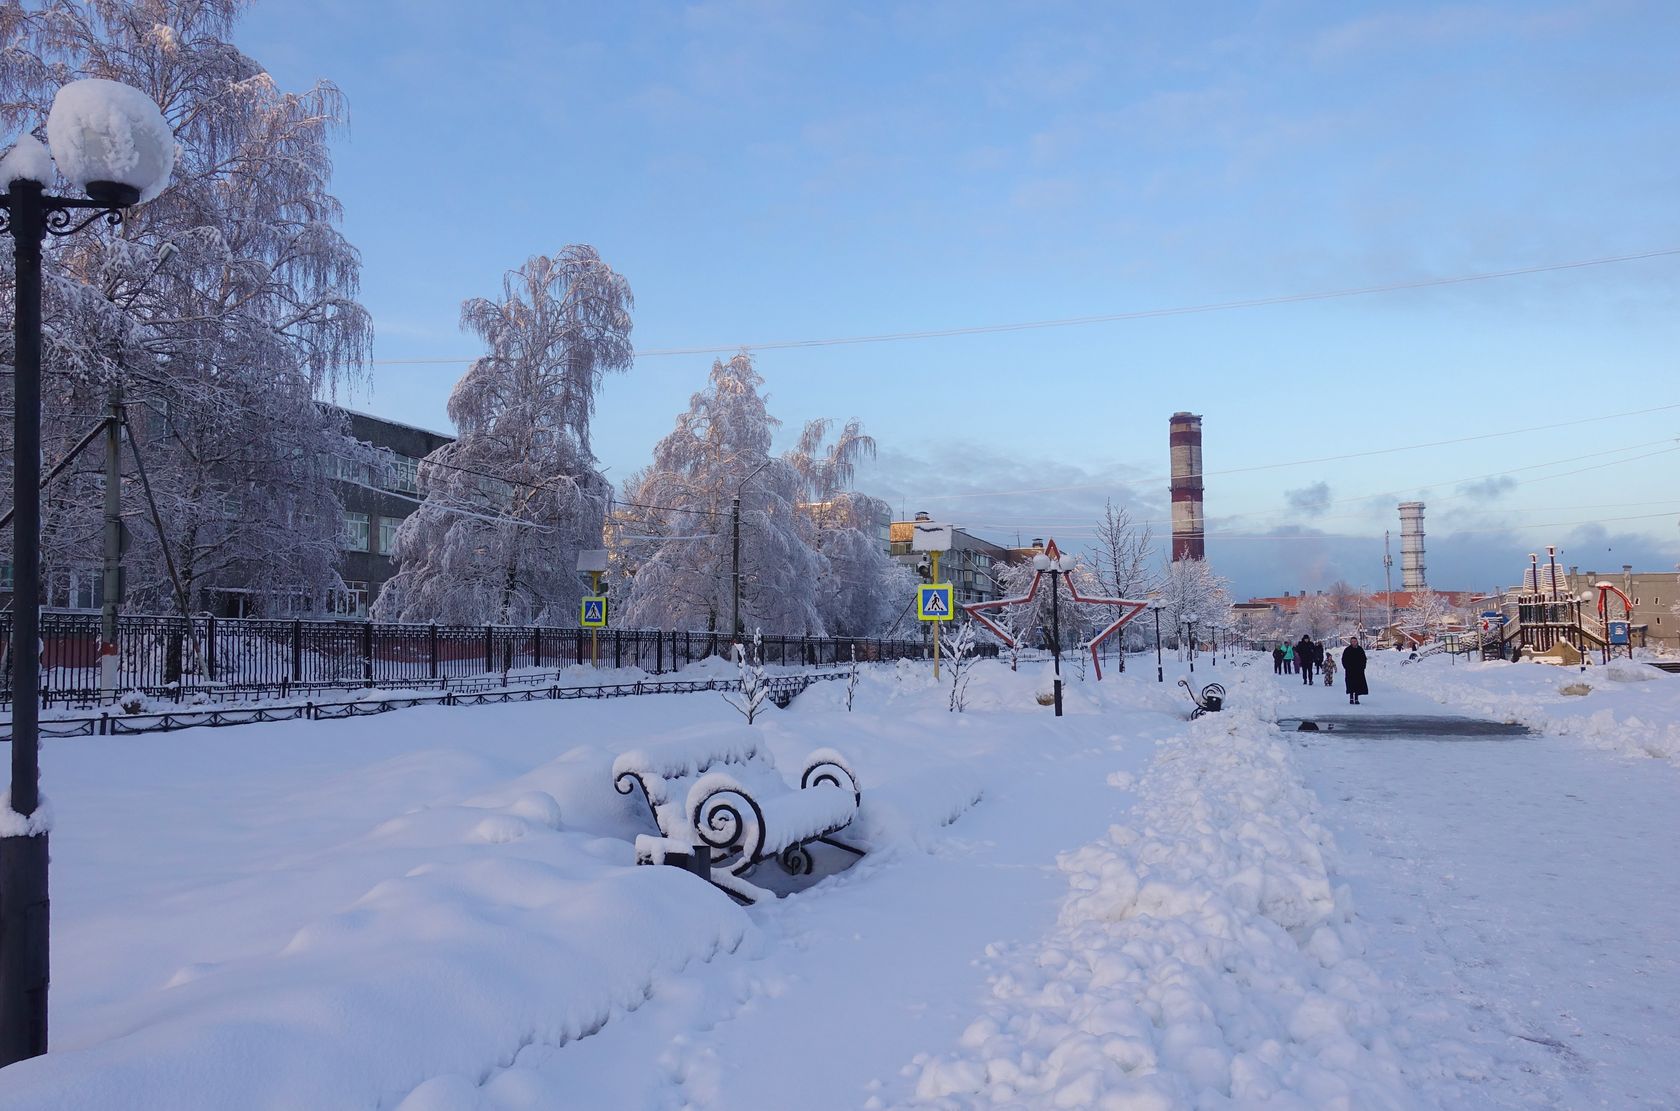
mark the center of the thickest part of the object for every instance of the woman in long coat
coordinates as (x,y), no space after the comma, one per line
(1353,671)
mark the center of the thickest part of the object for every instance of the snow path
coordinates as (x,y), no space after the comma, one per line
(1522,893)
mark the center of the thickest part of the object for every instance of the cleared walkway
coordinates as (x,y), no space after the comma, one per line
(1522,893)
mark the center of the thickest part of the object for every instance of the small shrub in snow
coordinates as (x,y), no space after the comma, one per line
(755,685)
(961,654)
(1575,688)
(132,703)
(851,681)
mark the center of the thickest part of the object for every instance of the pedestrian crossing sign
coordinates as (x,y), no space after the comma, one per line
(594,612)
(933,602)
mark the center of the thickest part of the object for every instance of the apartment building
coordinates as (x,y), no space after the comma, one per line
(376,503)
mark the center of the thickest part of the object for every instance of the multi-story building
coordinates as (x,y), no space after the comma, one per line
(971,566)
(375,504)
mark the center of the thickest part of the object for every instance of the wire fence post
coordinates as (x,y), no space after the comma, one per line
(432,646)
(210,647)
(297,651)
(489,650)
(367,653)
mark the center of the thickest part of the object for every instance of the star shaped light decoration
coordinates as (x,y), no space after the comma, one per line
(1052,561)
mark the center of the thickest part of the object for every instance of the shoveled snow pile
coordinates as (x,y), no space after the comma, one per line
(1203,955)
(1636,712)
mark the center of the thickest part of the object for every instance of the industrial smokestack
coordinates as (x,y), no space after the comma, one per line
(1411,546)
(1185,438)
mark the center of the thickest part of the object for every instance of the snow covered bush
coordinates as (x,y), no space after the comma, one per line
(959,653)
(755,685)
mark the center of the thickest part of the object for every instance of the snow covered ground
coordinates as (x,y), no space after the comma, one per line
(438,910)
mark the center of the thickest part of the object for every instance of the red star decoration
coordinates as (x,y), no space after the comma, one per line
(1053,554)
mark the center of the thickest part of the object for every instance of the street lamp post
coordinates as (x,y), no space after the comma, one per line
(115,146)
(1155,608)
(735,575)
(1190,628)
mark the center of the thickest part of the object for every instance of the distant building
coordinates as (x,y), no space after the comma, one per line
(971,566)
(375,504)
(1653,593)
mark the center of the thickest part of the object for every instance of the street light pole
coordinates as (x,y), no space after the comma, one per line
(1056,635)
(1156,608)
(124,153)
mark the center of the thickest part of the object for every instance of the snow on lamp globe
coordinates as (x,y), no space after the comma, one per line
(111,141)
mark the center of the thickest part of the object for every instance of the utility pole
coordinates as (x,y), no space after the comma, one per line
(735,609)
(112,591)
(1388,584)
(735,516)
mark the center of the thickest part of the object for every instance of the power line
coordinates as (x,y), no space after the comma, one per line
(1304,462)
(1115,317)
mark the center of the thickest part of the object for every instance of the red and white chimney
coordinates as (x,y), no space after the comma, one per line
(1185,437)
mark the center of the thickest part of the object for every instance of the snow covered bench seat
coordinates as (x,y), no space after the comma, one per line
(718,792)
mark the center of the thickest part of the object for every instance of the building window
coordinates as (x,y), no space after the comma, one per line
(5,576)
(355,532)
(404,475)
(344,468)
(388,533)
(80,588)
(349,602)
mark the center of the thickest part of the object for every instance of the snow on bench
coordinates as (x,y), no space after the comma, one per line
(722,795)
(667,769)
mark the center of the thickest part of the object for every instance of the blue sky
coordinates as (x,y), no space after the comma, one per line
(766,171)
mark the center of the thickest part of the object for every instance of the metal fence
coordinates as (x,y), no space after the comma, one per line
(188,656)
(783,689)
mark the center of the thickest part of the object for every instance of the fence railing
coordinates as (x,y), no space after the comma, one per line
(187,656)
(783,689)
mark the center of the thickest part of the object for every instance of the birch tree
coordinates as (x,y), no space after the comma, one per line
(675,539)
(1190,586)
(860,587)
(1122,556)
(223,308)
(510,503)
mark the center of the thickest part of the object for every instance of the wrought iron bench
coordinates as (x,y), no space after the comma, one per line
(1210,701)
(720,797)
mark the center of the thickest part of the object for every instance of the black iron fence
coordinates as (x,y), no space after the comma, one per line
(188,657)
(783,689)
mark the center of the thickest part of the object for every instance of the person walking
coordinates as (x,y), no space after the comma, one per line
(1304,657)
(1288,658)
(1329,668)
(1353,671)
(1277,660)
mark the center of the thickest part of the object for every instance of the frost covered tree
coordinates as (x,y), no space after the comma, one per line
(1190,586)
(510,503)
(1424,615)
(674,539)
(1031,623)
(222,309)
(1122,557)
(860,587)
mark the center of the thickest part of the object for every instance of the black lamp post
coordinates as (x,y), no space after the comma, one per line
(1053,567)
(114,145)
(1190,628)
(1155,608)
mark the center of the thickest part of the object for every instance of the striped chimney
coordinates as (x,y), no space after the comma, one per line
(1185,438)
